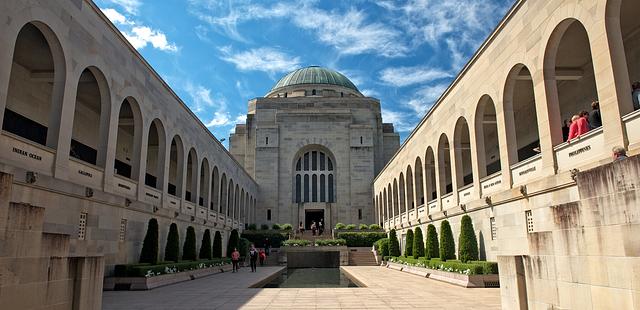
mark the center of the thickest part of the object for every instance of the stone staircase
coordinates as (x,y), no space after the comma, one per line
(362,258)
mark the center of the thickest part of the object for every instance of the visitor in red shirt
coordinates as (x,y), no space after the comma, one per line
(579,126)
(235,257)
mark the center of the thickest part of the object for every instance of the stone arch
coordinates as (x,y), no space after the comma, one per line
(430,175)
(129,139)
(419,181)
(204,183)
(156,146)
(215,189)
(192,176)
(313,175)
(409,182)
(223,194)
(176,160)
(462,151)
(444,165)
(487,144)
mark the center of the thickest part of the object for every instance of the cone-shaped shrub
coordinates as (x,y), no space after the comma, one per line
(234,241)
(432,247)
(172,249)
(447,244)
(408,247)
(467,243)
(217,245)
(205,246)
(149,253)
(418,243)
(384,247)
(189,247)
(394,245)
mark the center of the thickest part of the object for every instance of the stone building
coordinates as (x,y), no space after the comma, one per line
(492,147)
(313,144)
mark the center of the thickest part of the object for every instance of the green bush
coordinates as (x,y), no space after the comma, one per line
(408,244)
(258,237)
(205,246)
(374,227)
(470,268)
(189,247)
(384,247)
(361,239)
(276,226)
(330,242)
(243,246)
(172,249)
(217,245)
(432,249)
(467,242)
(363,227)
(296,242)
(350,227)
(418,243)
(341,226)
(487,267)
(264,227)
(394,245)
(286,227)
(234,242)
(149,253)
(447,244)
(141,270)
(252,227)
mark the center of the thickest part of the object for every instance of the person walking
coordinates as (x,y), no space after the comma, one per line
(253,257)
(235,258)
(313,228)
(263,256)
(320,228)
(301,229)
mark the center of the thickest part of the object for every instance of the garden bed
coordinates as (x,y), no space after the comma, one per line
(475,274)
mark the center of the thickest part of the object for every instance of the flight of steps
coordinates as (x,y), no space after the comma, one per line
(362,258)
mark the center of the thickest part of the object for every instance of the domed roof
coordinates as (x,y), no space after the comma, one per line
(314,75)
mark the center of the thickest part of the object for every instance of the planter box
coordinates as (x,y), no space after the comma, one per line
(474,280)
(144,283)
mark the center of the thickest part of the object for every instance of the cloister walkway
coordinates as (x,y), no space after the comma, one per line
(386,289)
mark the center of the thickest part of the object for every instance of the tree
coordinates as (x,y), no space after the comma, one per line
(467,242)
(172,249)
(394,245)
(432,247)
(149,253)
(205,247)
(384,247)
(217,245)
(418,243)
(447,244)
(408,247)
(189,247)
(234,242)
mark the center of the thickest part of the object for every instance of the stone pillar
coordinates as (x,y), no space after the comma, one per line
(65,126)
(475,159)
(142,159)
(513,289)
(6,182)
(507,143)
(112,134)
(453,162)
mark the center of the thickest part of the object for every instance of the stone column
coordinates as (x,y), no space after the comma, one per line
(507,144)
(142,158)
(475,159)
(64,121)
(549,120)
(112,134)
(453,162)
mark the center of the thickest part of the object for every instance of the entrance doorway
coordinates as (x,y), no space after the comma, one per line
(313,215)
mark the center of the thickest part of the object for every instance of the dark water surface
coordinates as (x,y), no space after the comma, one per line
(311,277)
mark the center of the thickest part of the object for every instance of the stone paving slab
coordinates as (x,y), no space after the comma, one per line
(386,289)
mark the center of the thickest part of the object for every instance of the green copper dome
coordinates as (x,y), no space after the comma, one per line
(314,75)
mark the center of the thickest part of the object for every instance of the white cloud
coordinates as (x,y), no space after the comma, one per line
(370,92)
(405,76)
(264,59)
(219,119)
(131,6)
(116,17)
(425,97)
(138,34)
(201,98)
(204,102)
(402,122)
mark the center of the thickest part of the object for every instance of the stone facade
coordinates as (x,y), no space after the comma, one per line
(334,120)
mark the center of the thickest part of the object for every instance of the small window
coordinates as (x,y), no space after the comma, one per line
(285,95)
(359,214)
(266,140)
(123,230)
(494,229)
(313,92)
(360,140)
(268,214)
(341,94)
(82,226)
(529,218)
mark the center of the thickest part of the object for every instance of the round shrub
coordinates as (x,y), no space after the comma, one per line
(149,252)
(252,227)
(467,242)
(447,244)
(375,227)
(172,249)
(394,245)
(258,238)
(234,242)
(361,238)
(217,245)
(418,243)
(363,227)
(351,227)
(286,227)
(408,245)
(341,226)
(189,247)
(264,227)
(276,226)
(205,246)
(432,249)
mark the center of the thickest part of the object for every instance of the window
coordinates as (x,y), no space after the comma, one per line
(341,94)
(311,182)
(268,214)
(494,229)
(314,188)
(529,218)
(360,140)
(123,230)
(359,214)
(313,92)
(266,141)
(82,226)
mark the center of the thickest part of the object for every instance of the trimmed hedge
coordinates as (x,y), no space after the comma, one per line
(205,245)
(467,242)
(363,227)
(382,246)
(408,244)
(286,227)
(141,270)
(257,237)
(217,245)
(472,267)
(432,249)
(296,242)
(149,253)
(276,227)
(351,227)
(234,242)
(340,226)
(189,247)
(252,227)
(172,249)
(243,246)
(264,227)
(394,245)
(418,243)
(374,227)
(447,245)
(361,239)
(331,242)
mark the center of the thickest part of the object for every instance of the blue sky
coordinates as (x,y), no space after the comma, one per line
(218,54)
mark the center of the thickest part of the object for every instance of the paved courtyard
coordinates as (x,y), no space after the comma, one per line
(386,289)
